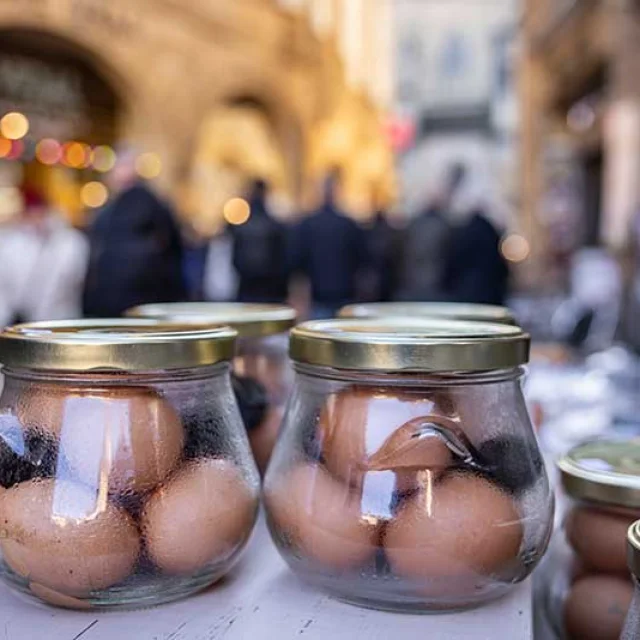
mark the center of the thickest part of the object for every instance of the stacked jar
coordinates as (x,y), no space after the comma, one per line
(443,310)
(126,477)
(262,374)
(587,586)
(632,625)
(407,476)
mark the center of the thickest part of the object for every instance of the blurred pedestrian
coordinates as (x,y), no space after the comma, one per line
(475,269)
(136,248)
(426,244)
(220,277)
(330,249)
(44,262)
(384,249)
(260,252)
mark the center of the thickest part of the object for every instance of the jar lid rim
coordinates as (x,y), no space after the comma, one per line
(633,548)
(453,310)
(248,319)
(409,345)
(114,344)
(605,471)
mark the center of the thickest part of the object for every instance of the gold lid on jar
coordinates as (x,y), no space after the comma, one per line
(249,320)
(633,549)
(603,471)
(124,345)
(451,310)
(403,345)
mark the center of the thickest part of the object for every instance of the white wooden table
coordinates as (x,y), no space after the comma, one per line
(263,600)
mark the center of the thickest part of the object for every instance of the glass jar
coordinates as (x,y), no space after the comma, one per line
(631,629)
(126,478)
(407,476)
(262,372)
(585,586)
(449,310)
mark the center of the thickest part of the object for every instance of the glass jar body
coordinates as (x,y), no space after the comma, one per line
(119,489)
(264,378)
(409,492)
(585,584)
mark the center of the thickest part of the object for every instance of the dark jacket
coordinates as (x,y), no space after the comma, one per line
(260,257)
(425,246)
(384,246)
(476,271)
(330,249)
(136,255)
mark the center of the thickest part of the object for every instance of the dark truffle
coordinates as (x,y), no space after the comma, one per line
(511,462)
(252,400)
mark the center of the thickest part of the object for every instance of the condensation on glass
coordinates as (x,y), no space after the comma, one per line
(407,475)
(126,478)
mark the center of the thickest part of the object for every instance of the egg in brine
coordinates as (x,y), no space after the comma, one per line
(203,513)
(322,518)
(65,537)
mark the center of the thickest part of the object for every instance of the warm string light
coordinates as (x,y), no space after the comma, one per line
(14,125)
(236,211)
(94,194)
(148,165)
(515,248)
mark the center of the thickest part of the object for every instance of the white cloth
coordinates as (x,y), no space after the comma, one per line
(42,271)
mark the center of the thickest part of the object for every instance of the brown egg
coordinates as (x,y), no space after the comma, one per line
(65,537)
(57,599)
(596,608)
(599,538)
(201,515)
(461,526)
(127,437)
(263,438)
(355,424)
(321,517)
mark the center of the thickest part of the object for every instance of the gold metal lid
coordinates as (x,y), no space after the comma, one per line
(633,549)
(418,345)
(452,310)
(125,345)
(603,471)
(249,320)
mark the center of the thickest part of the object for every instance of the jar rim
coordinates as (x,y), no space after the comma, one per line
(114,344)
(605,471)
(248,319)
(452,310)
(633,548)
(412,345)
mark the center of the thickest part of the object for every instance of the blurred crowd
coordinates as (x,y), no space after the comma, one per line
(135,252)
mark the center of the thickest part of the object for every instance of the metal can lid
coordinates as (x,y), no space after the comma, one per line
(451,310)
(633,549)
(118,344)
(603,471)
(416,345)
(249,320)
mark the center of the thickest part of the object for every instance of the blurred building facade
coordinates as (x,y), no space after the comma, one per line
(455,83)
(580,96)
(219,92)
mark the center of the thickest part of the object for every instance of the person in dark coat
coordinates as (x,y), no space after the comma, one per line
(135,249)
(330,249)
(385,249)
(260,252)
(475,269)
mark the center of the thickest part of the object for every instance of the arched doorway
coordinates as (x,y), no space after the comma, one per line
(74,110)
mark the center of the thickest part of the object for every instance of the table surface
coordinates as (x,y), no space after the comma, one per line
(262,599)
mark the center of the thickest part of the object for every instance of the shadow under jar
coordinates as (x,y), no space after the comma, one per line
(407,476)
(585,586)
(126,478)
(262,373)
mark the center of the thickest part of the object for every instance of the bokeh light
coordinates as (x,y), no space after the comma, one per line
(48,151)
(94,194)
(149,165)
(515,248)
(236,211)
(14,125)
(5,147)
(76,155)
(103,158)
